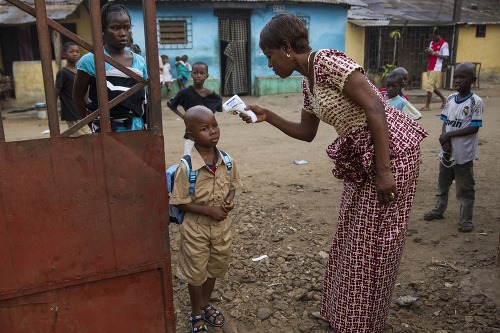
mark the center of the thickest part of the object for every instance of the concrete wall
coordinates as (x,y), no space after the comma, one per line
(81,18)
(205,35)
(480,49)
(327,24)
(28,81)
(355,43)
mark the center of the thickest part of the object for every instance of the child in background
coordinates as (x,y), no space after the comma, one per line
(394,83)
(404,73)
(127,115)
(206,232)
(184,59)
(183,72)
(462,117)
(194,95)
(65,79)
(167,76)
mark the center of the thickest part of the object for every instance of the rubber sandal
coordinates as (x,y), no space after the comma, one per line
(465,227)
(197,328)
(425,108)
(213,316)
(429,216)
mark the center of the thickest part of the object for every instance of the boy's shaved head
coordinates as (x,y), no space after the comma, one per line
(401,71)
(195,114)
(467,67)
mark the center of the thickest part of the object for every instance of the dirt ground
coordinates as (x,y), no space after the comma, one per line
(288,212)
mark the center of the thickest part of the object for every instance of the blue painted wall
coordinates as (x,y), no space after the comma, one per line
(326,23)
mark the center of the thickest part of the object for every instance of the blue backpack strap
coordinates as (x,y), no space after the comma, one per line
(228,160)
(191,175)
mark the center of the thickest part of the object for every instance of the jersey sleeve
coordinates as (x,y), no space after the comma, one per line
(445,50)
(477,113)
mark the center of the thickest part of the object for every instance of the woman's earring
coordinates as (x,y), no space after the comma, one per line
(288,55)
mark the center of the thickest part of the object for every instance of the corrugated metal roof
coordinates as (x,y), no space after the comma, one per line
(56,10)
(333,2)
(418,12)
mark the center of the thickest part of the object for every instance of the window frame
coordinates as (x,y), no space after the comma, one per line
(188,33)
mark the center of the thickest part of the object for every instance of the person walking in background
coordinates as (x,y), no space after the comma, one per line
(194,95)
(65,79)
(167,75)
(394,84)
(376,154)
(206,232)
(128,114)
(462,117)
(438,51)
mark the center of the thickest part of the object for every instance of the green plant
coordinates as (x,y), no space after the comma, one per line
(386,70)
(396,34)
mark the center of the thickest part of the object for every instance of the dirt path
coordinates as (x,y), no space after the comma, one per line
(288,212)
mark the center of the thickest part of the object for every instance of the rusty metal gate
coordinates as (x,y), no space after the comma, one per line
(83,221)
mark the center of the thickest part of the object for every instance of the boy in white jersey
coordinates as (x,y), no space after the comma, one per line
(462,117)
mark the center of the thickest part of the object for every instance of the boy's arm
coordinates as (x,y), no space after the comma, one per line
(174,102)
(446,136)
(216,213)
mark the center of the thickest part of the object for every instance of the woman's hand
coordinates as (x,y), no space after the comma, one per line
(385,185)
(260,112)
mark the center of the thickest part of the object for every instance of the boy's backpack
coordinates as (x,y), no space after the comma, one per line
(177,215)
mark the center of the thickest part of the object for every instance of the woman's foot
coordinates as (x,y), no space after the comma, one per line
(213,316)
(198,323)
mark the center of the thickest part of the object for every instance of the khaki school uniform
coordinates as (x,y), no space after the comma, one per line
(205,244)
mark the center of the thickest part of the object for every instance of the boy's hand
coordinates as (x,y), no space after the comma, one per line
(444,138)
(228,206)
(217,213)
(446,147)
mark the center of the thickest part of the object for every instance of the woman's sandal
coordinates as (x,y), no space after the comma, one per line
(198,328)
(211,314)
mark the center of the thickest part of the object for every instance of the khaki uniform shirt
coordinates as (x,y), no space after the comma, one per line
(210,189)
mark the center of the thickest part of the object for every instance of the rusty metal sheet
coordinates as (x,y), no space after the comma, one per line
(80,210)
(131,303)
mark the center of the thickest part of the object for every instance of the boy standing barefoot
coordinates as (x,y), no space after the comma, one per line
(462,117)
(206,232)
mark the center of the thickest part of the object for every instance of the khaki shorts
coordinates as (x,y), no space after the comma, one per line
(204,250)
(433,79)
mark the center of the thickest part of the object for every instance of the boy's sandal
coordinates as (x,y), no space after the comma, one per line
(429,216)
(198,328)
(211,315)
(465,227)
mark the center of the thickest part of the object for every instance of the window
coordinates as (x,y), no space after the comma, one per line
(480,30)
(175,32)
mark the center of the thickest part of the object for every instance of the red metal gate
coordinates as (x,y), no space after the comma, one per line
(83,221)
